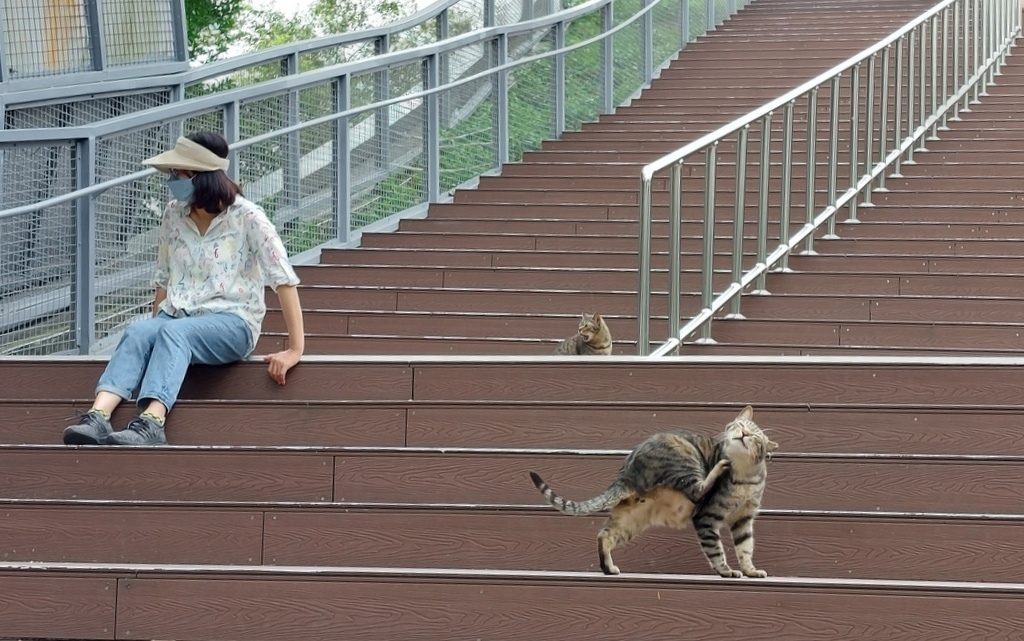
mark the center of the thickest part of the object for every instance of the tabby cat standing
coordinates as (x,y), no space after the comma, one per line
(673,478)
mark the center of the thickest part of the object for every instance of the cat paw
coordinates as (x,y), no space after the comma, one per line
(729,573)
(720,468)
(755,574)
(610,570)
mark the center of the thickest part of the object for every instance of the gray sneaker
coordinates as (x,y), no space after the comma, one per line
(91,429)
(140,431)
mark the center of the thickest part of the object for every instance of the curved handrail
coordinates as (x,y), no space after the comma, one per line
(985,29)
(201,104)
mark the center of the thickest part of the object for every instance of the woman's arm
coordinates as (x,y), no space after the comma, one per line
(158,298)
(283,361)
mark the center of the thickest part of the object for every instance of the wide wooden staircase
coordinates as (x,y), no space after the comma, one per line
(383,492)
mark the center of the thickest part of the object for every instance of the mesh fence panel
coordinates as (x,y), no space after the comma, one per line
(137,31)
(467,136)
(627,54)
(465,17)
(387,161)
(698,18)
(46,38)
(531,111)
(583,77)
(241,78)
(211,121)
(82,112)
(126,220)
(666,17)
(37,250)
(336,55)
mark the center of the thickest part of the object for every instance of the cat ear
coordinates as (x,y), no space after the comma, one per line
(596,316)
(747,413)
(772,446)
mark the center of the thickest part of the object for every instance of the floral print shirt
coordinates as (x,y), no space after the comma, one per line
(224,270)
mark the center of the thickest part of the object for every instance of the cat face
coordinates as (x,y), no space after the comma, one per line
(743,439)
(590,325)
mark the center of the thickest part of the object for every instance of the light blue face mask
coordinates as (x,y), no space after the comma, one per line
(182,189)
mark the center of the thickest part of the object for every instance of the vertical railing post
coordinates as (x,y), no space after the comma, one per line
(833,152)
(812,159)
(883,118)
(709,15)
(787,183)
(432,127)
(854,137)
(4,65)
(675,224)
(341,90)
(181,53)
(607,59)
(934,84)
(558,80)
(501,100)
(911,93)
(897,116)
(232,133)
(85,247)
(707,284)
(957,74)
(490,14)
(684,23)
(643,311)
(382,117)
(444,70)
(739,213)
(869,128)
(291,193)
(975,40)
(97,37)
(647,43)
(986,46)
(944,123)
(922,79)
(763,190)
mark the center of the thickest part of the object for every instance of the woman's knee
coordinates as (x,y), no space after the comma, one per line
(142,333)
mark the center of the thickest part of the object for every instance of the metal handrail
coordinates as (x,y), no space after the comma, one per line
(204,104)
(993,32)
(196,75)
(201,104)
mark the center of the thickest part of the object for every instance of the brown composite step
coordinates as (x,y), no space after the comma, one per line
(288,602)
(918,547)
(937,381)
(846,428)
(857,482)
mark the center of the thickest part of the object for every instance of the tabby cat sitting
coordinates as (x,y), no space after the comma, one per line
(592,338)
(675,477)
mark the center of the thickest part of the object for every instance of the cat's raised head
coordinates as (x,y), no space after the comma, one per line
(744,440)
(590,325)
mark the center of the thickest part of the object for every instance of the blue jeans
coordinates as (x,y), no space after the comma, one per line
(154,354)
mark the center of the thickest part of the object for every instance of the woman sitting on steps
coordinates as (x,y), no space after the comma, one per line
(217,252)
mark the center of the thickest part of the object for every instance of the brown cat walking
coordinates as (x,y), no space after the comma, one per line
(592,338)
(673,478)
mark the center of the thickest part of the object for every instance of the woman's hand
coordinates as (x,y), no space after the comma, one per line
(280,363)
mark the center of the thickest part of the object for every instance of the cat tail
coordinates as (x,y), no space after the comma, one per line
(604,501)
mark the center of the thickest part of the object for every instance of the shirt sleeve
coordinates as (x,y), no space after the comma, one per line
(268,249)
(163,251)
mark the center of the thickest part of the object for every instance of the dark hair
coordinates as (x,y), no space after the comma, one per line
(214,191)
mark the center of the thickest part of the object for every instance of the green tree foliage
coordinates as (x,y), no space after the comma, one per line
(270,28)
(212,26)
